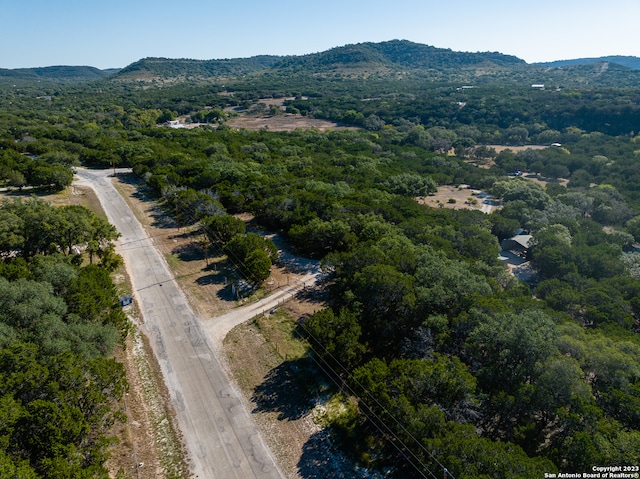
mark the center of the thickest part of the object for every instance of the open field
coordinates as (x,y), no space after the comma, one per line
(457,198)
(281,122)
(516,149)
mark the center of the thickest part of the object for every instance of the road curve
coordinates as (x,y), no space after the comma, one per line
(219,433)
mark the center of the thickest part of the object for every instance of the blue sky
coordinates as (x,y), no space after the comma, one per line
(116,33)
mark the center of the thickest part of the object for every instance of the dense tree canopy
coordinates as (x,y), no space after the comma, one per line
(59,323)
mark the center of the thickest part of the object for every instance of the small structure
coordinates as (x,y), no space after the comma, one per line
(125,300)
(518,245)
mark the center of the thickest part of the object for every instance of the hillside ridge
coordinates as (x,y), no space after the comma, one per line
(358,60)
(625,61)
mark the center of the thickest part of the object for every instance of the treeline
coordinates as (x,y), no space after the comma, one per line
(492,110)
(59,322)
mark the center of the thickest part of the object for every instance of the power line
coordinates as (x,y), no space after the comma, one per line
(378,423)
(237,263)
(397,421)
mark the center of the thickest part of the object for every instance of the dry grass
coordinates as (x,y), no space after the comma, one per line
(282,122)
(253,350)
(74,195)
(443,198)
(257,352)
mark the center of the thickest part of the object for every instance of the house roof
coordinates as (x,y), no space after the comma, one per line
(522,240)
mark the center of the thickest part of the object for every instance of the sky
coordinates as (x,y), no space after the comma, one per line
(116,33)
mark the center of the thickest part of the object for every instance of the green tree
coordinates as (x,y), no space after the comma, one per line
(256,266)
(15,467)
(318,237)
(16,179)
(11,228)
(387,298)
(518,189)
(446,286)
(63,158)
(221,229)
(335,338)
(55,176)
(411,184)
(252,254)
(55,412)
(511,347)
(633,226)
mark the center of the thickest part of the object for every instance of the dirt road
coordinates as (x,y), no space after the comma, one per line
(217,328)
(220,436)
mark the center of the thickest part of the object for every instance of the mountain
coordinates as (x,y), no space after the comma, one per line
(390,60)
(396,54)
(625,61)
(62,72)
(150,69)
(362,59)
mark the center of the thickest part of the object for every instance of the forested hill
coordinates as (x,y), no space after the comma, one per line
(397,54)
(389,57)
(62,72)
(185,69)
(390,61)
(625,61)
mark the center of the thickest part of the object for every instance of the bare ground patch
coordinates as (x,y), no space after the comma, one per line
(282,122)
(74,195)
(515,149)
(453,197)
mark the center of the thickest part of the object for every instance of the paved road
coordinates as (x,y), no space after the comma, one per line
(218,432)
